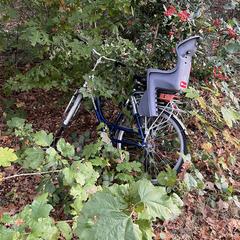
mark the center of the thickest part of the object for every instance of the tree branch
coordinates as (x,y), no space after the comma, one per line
(29,174)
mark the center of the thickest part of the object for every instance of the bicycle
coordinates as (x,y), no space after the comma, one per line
(154,135)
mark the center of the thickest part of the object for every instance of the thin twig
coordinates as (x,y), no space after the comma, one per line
(30,174)
(156,32)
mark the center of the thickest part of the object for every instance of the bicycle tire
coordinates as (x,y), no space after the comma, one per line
(174,123)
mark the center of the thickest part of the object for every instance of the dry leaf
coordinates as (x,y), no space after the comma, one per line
(208,147)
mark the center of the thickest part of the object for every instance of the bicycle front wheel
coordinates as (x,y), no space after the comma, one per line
(166,144)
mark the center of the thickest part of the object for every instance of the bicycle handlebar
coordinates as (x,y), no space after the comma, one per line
(100,56)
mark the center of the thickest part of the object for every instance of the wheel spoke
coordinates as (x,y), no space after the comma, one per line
(165,143)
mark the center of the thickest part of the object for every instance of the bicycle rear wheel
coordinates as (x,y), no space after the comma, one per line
(166,144)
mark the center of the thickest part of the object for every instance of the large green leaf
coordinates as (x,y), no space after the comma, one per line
(102,218)
(155,200)
(108,215)
(40,208)
(34,157)
(7,156)
(43,139)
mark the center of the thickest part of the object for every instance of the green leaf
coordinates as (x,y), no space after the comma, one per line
(84,173)
(68,176)
(129,166)
(44,228)
(107,215)
(34,157)
(7,156)
(7,233)
(124,177)
(35,36)
(190,181)
(192,93)
(40,208)
(43,139)
(65,230)
(229,116)
(52,155)
(233,47)
(16,122)
(91,150)
(145,227)
(167,178)
(102,219)
(99,162)
(66,149)
(156,201)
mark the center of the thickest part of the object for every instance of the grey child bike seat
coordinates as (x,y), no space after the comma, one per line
(173,80)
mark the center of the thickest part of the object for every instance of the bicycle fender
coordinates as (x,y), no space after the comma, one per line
(181,124)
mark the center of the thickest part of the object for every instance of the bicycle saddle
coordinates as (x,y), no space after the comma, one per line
(173,80)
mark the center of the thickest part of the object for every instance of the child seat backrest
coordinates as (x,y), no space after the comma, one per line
(185,50)
(173,80)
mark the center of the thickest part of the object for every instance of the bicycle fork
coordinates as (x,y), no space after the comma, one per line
(69,113)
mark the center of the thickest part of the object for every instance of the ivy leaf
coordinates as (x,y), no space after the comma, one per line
(66,149)
(34,157)
(43,139)
(107,214)
(102,219)
(7,156)
(52,154)
(40,208)
(99,162)
(65,230)
(129,166)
